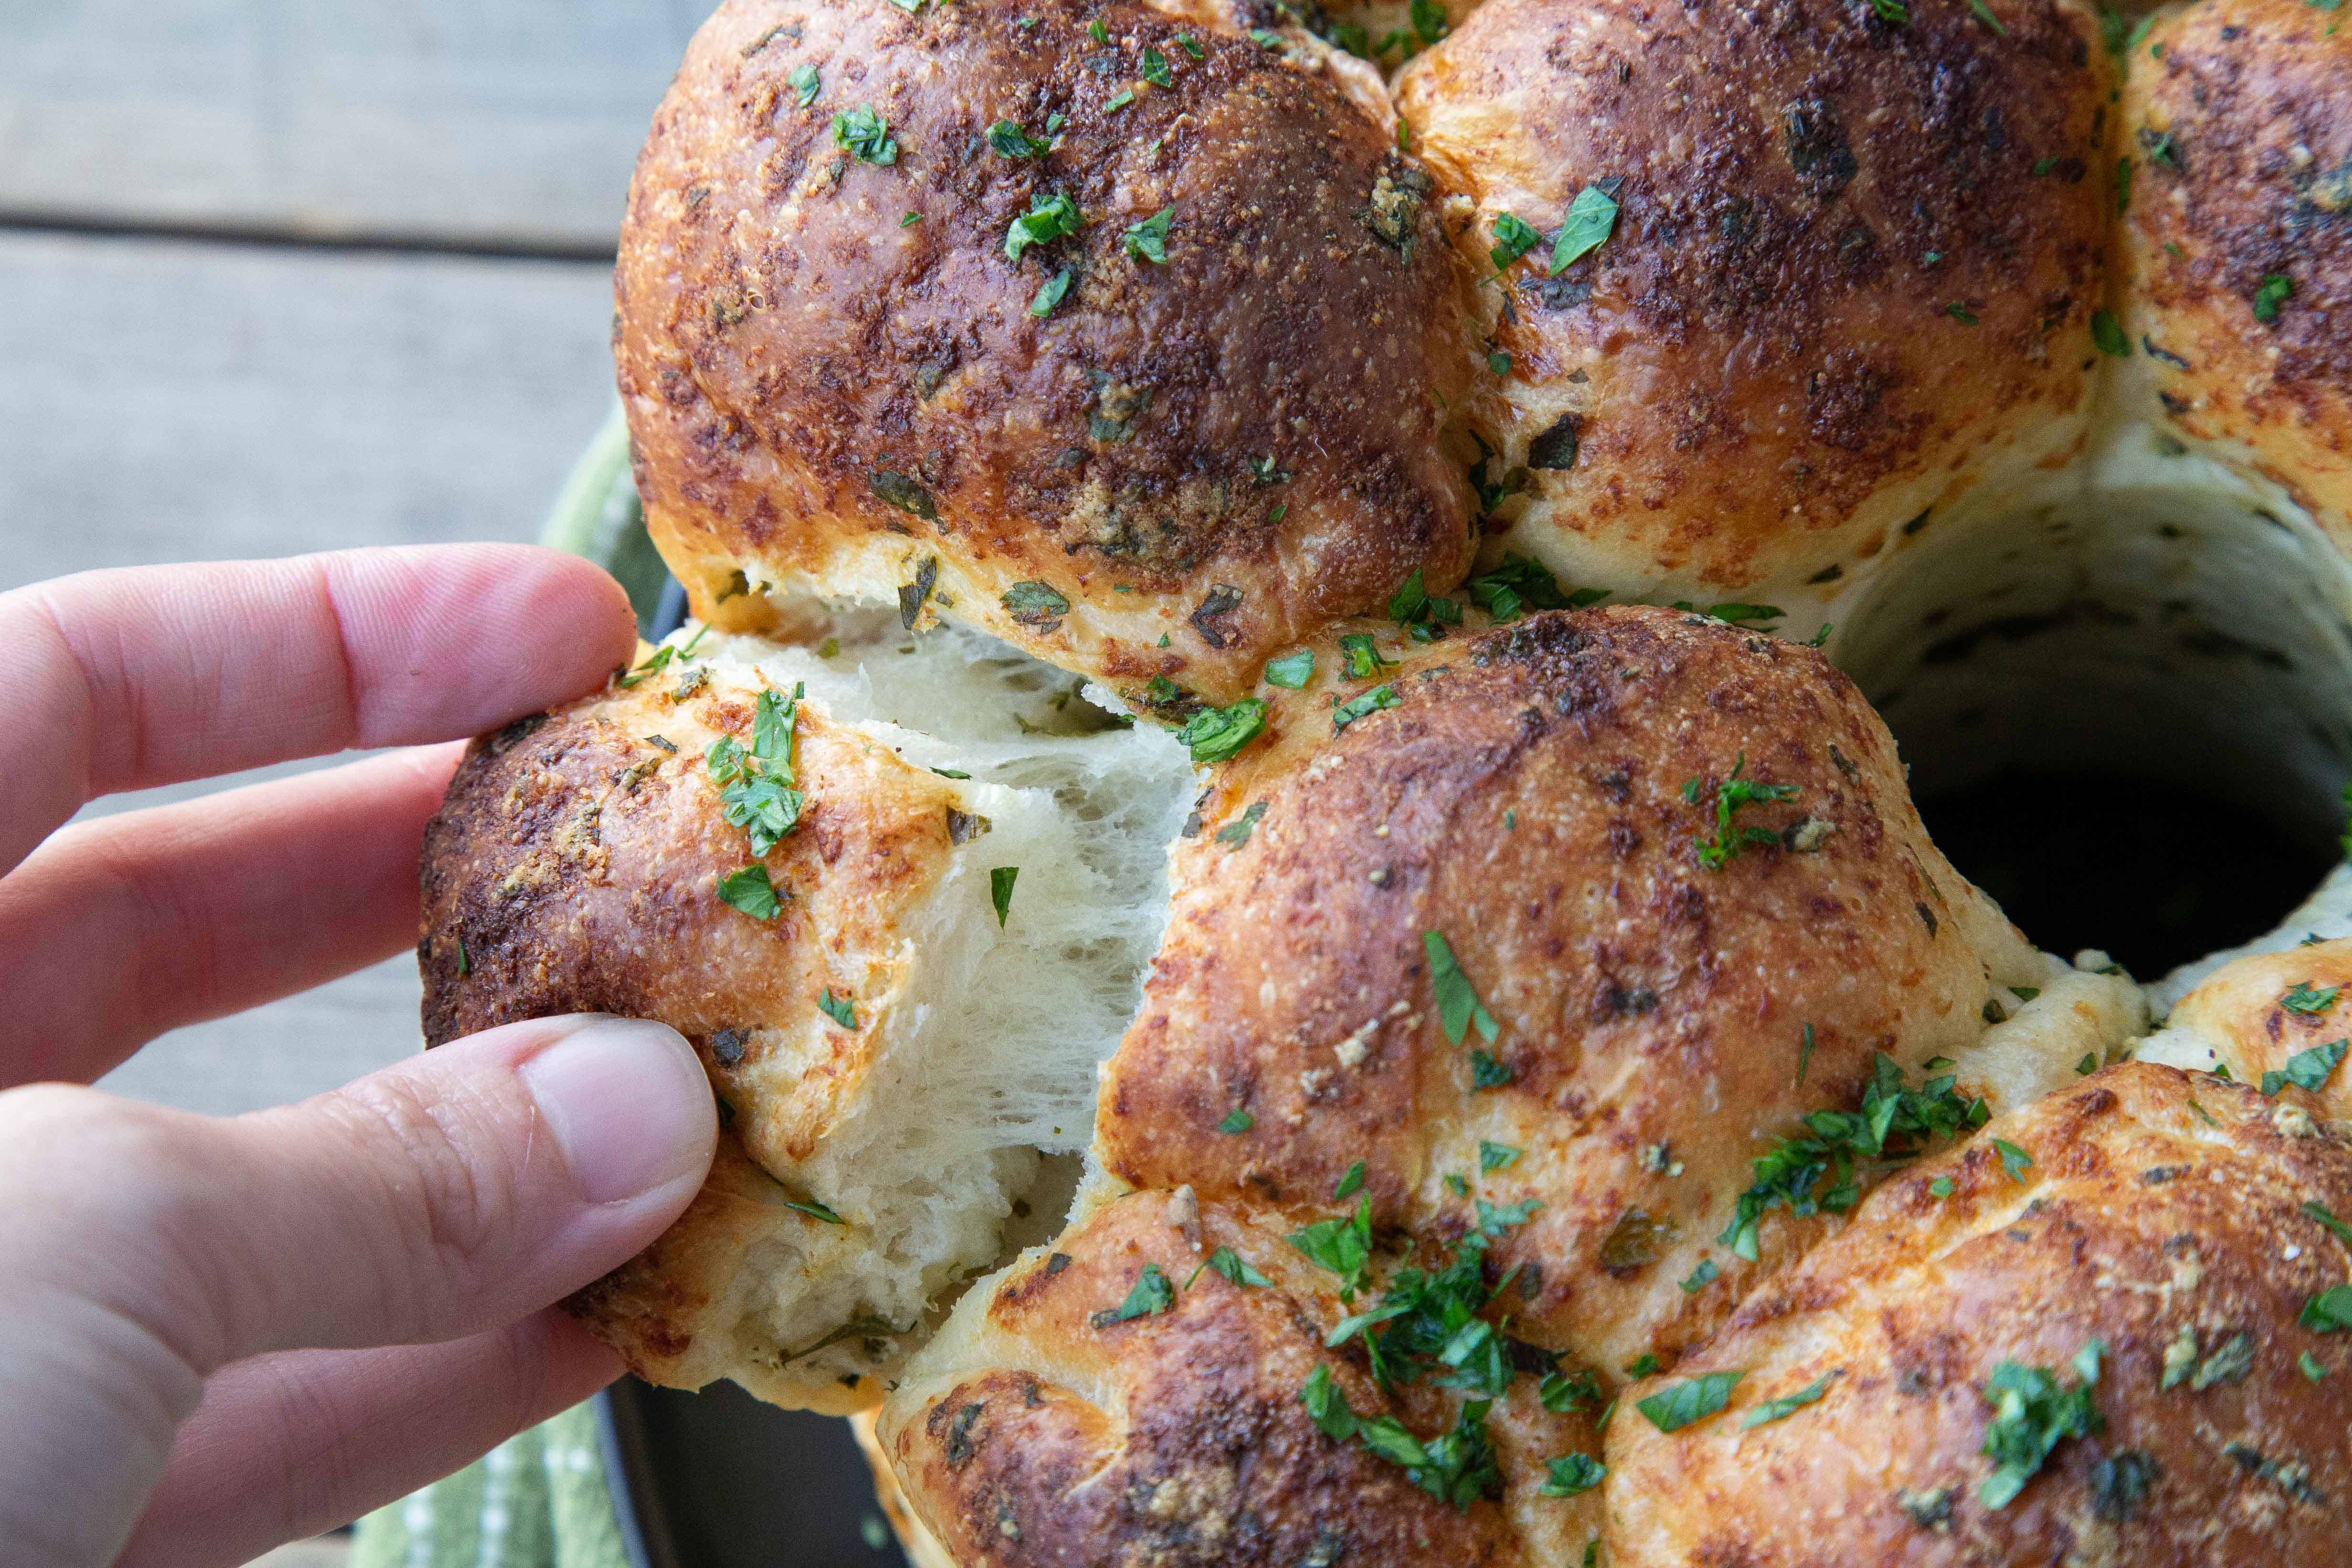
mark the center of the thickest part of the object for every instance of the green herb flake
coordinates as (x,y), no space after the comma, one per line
(1050,292)
(1349,1181)
(1677,1405)
(865,135)
(1263,40)
(1155,68)
(1228,1263)
(749,890)
(1520,584)
(2088,1065)
(2014,1160)
(2272,292)
(1592,218)
(1098,32)
(2335,1227)
(2303,999)
(1236,833)
(1562,1393)
(1147,240)
(815,1210)
(1217,734)
(1364,657)
(1009,140)
(1804,1052)
(1960,313)
(1344,1247)
(1941,1187)
(1700,1277)
(1573,1475)
(2306,1069)
(1486,1072)
(1049,217)
(2026,993)
(842,1010)
(1191,46)
(2107,335)
(1788,1405)
(1497,1156)
(2329,1311)
(1292,670)
(1237,1121)
(1429,20)
(1514,237)
(1458,1007)
(2311,1367)
(1733,794)
(1035,604)
(1152,1293)
(803,80)
(2032,1414)
(1984,14)
(1348,712)
(1122,99)
(1000,891)
(951,773)
(1499,362)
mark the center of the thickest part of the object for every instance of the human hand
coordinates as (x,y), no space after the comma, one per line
(220,1334)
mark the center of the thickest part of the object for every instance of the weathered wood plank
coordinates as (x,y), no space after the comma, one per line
(490,122)
(171,401)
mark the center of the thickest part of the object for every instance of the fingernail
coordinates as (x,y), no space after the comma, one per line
(626,1102)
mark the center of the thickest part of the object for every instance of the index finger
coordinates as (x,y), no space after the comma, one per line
(151,675)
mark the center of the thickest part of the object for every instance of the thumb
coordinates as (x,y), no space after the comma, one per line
(453,1192)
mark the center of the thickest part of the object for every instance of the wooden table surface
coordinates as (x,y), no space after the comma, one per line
(279,275)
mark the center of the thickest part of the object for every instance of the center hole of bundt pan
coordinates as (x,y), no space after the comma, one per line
(2127,709)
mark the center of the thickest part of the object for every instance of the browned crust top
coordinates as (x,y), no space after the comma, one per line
(806,370)
(1526,799)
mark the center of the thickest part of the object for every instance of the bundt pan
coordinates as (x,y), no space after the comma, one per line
(1544,783)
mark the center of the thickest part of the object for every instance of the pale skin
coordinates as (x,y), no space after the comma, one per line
(216,1335)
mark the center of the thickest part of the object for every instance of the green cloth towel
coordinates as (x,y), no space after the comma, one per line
(536,1500)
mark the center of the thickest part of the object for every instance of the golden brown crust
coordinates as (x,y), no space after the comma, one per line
(2241,1014)
(824,395)
(1526,799)
(2163,1215)
(1050,1433)
(2233,123)
(1853,270)
(573,867)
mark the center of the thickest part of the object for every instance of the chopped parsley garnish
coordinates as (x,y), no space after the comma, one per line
(1342,1246)
(1458,1467)
(1738,614)
(756,792)
(1349,712)
(1458,1007)
(842,1010)
(801,79)
(910,220)
(1788,1405)
(2026,993)
(2306,1069)
(1940,1187)
(1641,1365)
(1429,20)
(2108,334)
(1520,585)
(1960,312)
(1804,1052)
(1591,218)
(1263,40)
(1700,1277)
(1291,670)
(1215,735)
(1560,1393)
(1427,1324)
(815,1210)
(749,890)
(2303,998)
(2031,1415)
(1730,795)
(1237,1121)
(1413,607)
(1984,14)
(1191,46)
(2310,1366)
(1892,11)
(1677,1405)
(1050,292)
(1047,219)
(1236,833)
(1349,1181)
(1486,1072)
(1152,1293)
(2088,1065)
(1000,891)
(1228,1263)
(951,773)
(1895,1123)
(2335,1227)
(2014,1160)
(1035,604)
(1098,32)
(865,135)
(1573,1474)
(1120,99)
(1155,68)
(1499,362)
(2328,1311)
(1147,240)
(1514,237)
(1364,657)
(1497,1156)
(1011,141)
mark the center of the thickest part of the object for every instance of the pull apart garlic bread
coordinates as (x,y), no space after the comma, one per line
(1255,1025)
